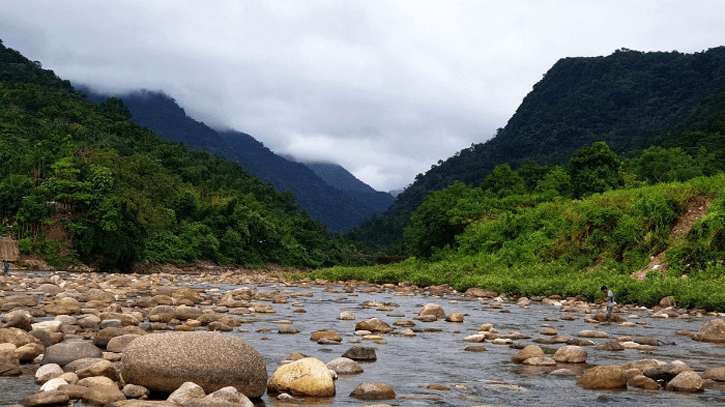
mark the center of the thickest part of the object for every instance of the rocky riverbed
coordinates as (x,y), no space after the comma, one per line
(240,338)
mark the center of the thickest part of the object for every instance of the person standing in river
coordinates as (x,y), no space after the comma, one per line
(610,301)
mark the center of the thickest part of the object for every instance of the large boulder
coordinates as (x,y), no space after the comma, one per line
(603,377)
(66,352)
(303,377)
(713,331)
(163,362)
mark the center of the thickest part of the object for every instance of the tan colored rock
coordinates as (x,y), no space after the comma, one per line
(186,393)
(643,382)
(373,391)
(432,310)
(715,373)
(455,317)
(531,351)
(688,381)
(603,377)
(713,331)
(303,377)
(540,361)
(325,334)
(570,354)
(54,397)
(589,333)
(374,325)
(102,395)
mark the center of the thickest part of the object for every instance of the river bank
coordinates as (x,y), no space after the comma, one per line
(462,357)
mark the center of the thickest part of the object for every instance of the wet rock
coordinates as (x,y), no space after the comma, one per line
(642,364)
(715,373)
(346,316)
(580,342)
(611,346)
(455,317)
(360,353)
(475,338)
(288,330)
(531,351)
(588,333)
(303,377)
(689,382)
(438,386)
(713,331)
(343,365)
(162,362)
(325,334)
(563,372)
(666,372)
(374,325)
(186,393)
(603,378)
(540,361)
(66,352)
(647,340)
(643,382)
(46,398)
(570,354)
(475,348)
(373,391)
(431,309)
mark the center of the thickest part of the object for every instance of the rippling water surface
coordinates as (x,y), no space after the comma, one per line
(409,364)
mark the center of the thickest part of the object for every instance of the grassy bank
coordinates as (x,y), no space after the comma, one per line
(573,247)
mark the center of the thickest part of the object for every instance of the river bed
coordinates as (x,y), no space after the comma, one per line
(437,353)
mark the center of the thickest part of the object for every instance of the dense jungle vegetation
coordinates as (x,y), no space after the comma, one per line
(631,100)
(80,183)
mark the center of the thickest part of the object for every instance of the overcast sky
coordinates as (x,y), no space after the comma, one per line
(384,88)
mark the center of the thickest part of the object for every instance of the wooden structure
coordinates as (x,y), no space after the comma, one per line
(9,249)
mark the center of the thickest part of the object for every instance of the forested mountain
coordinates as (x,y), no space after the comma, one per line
(631,100)
(79,182)
(338,208)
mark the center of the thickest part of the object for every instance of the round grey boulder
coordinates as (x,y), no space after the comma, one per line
(163,362)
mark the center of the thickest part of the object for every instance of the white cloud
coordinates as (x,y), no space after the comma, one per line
(384,88)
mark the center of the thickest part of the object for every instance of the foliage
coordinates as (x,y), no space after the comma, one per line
(124,195)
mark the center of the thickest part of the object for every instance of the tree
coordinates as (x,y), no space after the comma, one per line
(503,181)
(594,168)
(657,164)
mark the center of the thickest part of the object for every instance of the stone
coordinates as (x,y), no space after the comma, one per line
(119,343)
(346,316)
(456,317)
(344,365)
(74,391)
(103,395)
(303,377)
(373,391)
(16,336)
(715,373)
(46,398)
(668,301)
(231,395)
(688,381)
(325,334)
(134,391)
(531,351)
(588,333)
(186,393)
(20,319)
(96,381)
(66,352)
(27,353)
(540,361)
(570,354)
(642,364)
(100,368)
(9,363)
(713,331)
(53,384)
(643,382)
(665,372)
(611,345)
(360,353)
(163,362)
(432,310)
(374,325)
(106,334)
(603,378)
(49,370)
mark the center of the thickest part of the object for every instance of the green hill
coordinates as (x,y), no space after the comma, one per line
(79,182)
(631,100)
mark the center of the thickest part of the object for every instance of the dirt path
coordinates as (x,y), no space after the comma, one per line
(696,208)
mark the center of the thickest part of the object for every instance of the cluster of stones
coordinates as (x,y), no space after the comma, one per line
(114,340)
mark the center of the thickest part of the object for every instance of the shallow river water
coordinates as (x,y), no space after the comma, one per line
(409,364)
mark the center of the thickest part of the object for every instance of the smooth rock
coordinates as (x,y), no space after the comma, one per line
(531,351)
(343,365)
(715,373)
(713,331)
(303,377)
(373,391)
(186,393)
(66,352)
(689,382)
(570,354)
(46,398)
(643,382)
(163,362)
(603,378)
(102,395)
(360,353)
